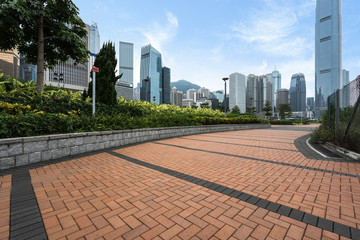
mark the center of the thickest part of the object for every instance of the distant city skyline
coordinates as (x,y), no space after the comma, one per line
(203,49)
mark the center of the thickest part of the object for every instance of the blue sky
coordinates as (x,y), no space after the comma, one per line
(203,41)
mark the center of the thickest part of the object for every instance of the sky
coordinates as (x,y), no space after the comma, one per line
(203,41)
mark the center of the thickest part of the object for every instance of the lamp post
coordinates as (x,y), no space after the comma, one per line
(225,79)
(58,78)
(154,99)
(147,96)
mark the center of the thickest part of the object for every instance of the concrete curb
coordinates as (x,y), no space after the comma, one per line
(342,151)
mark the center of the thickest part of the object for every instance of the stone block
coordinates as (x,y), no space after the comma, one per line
(22,160)
(99,139)
(7,162)
(91,147)
(47,155)
(105,138)
(89,139)
(4,151)
(107,144)
(30,147)
(74,150)
(53,144)
(101,146)
(58,153)
(62,143)
(82,148)
(7,141)
(35,157)
(78,141)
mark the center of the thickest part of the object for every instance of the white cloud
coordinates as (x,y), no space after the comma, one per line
(160,34)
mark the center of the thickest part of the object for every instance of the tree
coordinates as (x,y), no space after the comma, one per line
(268,109)
(106,77)
(45,32)
(251,110)
(205,105)
(221,107)
(235,110)
(284,110)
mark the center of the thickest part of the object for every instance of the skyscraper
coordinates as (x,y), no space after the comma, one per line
(176,97)
(166,78)
(276,85)
(328,52)
(124,86)
(94,39)
(191,94)
(265,91)
(297,93)
(282,97)
(237,95)
(345,77)
(151,75)
(310,104)
(252,91)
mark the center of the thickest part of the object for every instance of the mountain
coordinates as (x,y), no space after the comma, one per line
(183,85)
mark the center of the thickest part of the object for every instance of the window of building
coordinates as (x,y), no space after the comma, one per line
(325,71)
(325,39)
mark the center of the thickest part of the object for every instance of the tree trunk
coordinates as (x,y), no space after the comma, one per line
(40,57)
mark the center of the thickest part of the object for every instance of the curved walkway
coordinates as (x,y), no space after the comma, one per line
(248,184)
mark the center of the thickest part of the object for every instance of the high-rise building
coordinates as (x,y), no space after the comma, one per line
(27,71)
(265,91)
(219,94)
(328,52)
(191,94)
(252,91)
(297,93)
(176,97)
(237,95)
(276,86)
(166,78)
(94,39)
(10,63)
(69,75)
(282,97)
(124,86)
(345,77)
(204,93)
(310,103)
(151,75)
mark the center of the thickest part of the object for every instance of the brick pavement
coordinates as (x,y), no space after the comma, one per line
(162,190)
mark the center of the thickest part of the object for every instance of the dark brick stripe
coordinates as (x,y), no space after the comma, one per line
(307,218)
(249,139)
(25,217)
(263,160)
(237,144)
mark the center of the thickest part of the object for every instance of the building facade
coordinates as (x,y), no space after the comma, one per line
(151,75)
(203,93)
(191,94)
(310,103)
(237,91)
(276,76)
(252,91)
(328,52)
(27,71)
(10,63)
(166,78)
(345,77)
(68,75)
(282,97)
(219,94)
(124,86)
(297,93)
(176,97)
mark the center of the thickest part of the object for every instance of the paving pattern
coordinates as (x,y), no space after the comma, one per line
(249,184)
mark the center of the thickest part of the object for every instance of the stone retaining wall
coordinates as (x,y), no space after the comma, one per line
(28,150)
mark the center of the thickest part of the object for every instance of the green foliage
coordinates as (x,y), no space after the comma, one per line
(268,109)
(284,110)
(235,110)
(205,105)
(24,20)
(106,77)
(289,122)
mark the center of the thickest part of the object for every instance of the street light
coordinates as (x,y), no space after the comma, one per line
(58,78)
(225,79)
(154,99)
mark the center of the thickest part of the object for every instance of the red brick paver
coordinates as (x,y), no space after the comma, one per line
(105,196)
(5,187)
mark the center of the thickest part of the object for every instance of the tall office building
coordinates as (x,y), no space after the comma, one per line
(219,94)
(276,86)
(124,86)
(176,97)
(252,91)
(297,93)
(203,93)
(151,75)
(237,95)
(94,39)
(69,75)
(166,78)
(265,91)
(310,103)
(191,94)
(27,71)
(345,77)
(328,52)
(282,97)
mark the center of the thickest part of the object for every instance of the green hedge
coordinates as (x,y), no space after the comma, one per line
(288,122)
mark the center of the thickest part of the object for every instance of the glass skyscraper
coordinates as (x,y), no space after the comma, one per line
(94,39)
(276,86)
(151,75)
(297,93)
(328,52)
